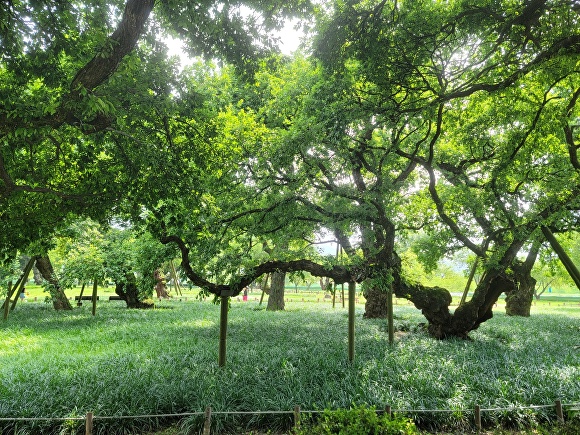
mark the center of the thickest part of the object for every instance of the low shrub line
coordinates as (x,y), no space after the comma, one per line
(89,418)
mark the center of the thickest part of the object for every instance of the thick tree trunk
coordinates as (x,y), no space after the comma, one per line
(519,301)
(434,304)
(376,303)
(129,292)
(59,299)
(276,297)
(470,315)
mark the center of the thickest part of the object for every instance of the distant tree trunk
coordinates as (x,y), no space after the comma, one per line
(519,301)
(276,297)
(129,292)
(59,299)
(36,275)
(376,303)
(160,287)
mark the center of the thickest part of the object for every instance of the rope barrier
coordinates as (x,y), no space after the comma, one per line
(278,412)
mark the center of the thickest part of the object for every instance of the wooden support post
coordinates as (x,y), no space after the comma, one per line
(296,417)
(563,256)
(19,287)
(89,424)
(80,301)
(390,322)
(388,410)
(174,273)
(469,280)
(224,303)
(207,422)
(351,296)
(334,295)
(94,300)
(559,411)
(343,302)
(478,417)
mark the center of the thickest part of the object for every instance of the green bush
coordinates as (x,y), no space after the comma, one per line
(356,421)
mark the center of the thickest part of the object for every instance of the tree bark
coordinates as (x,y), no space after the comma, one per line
(129,292)
(276,297)
(519,301)
(59,299)
(376,303)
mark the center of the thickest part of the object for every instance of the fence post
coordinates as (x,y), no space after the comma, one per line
(388,410)
(559,411)
(89,424)
(297,417)
(478,417)
(207,422)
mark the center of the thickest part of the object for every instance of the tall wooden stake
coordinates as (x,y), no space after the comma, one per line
(469,280)
(80,301)
(351,301)
(94,299)
(564,258)
(18,287)
(390,322)
(224,305)
(175,280)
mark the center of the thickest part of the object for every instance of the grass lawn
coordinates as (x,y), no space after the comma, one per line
(164,361)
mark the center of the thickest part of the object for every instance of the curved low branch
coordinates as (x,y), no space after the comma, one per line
(339,274)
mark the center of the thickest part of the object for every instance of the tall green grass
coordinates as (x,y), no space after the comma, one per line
(164,361)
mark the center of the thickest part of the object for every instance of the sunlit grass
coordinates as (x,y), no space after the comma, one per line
(164,361)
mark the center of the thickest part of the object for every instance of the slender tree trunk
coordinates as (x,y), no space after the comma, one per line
(59,299)
(276,297)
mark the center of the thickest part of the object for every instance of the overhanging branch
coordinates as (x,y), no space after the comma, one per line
(339,274)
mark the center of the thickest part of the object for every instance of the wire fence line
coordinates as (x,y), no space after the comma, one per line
(89,418)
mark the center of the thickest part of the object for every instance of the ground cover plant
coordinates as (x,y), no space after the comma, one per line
(164,361)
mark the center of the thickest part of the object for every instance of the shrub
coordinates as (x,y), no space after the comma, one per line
(356,421)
